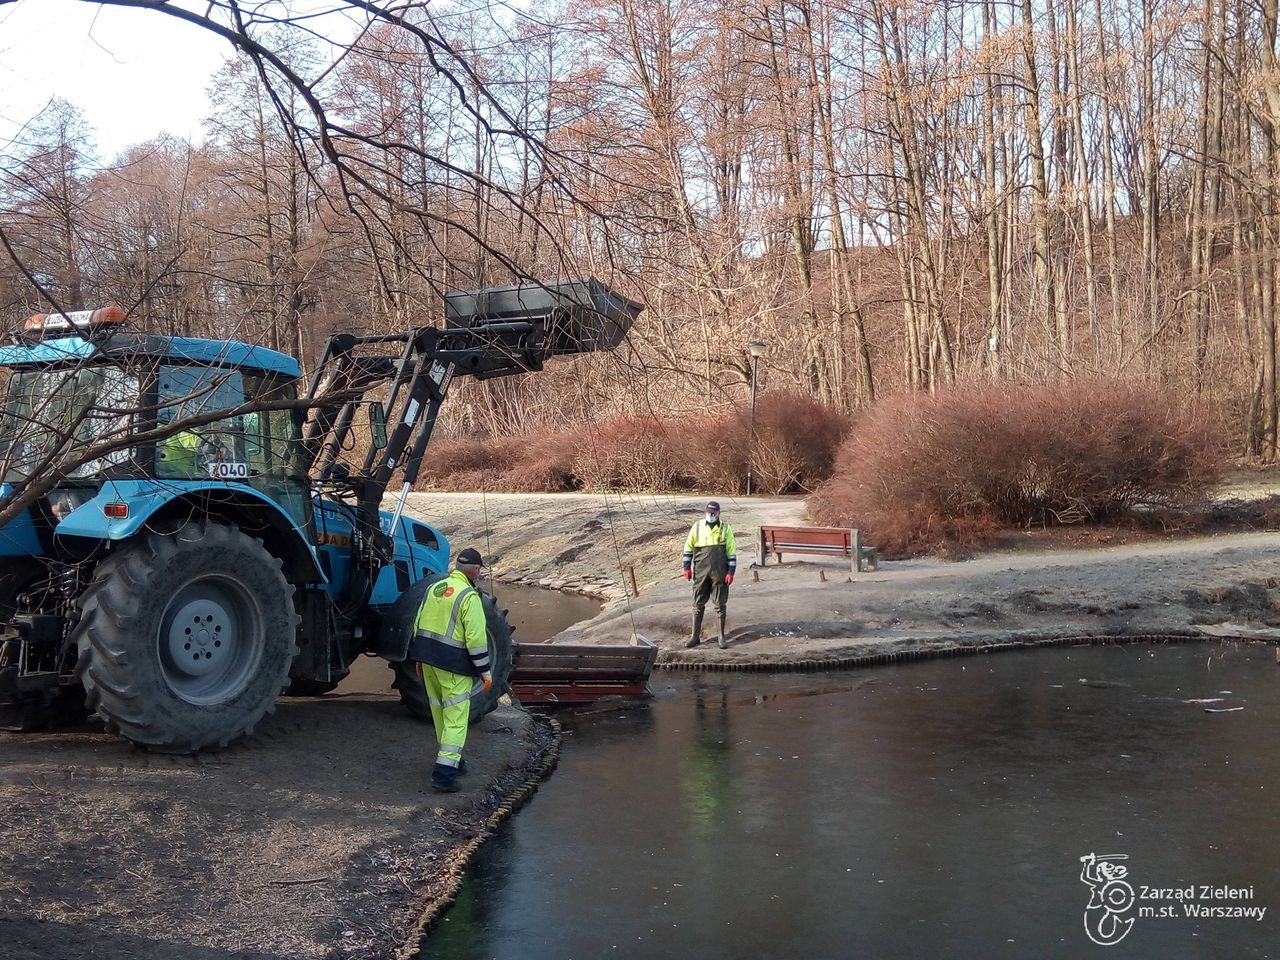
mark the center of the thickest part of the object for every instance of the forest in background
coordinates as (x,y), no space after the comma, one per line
(893,197)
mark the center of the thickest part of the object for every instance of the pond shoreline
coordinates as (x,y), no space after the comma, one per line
(815,611)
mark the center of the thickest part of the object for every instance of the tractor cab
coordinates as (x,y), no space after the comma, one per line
(123,414)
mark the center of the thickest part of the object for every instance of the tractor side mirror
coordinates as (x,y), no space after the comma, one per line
(377,425)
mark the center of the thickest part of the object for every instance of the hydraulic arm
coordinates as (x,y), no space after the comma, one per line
(488,333)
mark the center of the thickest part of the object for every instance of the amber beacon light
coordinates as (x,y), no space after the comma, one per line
(76,321)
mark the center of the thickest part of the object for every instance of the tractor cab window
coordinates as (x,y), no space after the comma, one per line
(59,415)
(273,439)
(260,448)
(214,449)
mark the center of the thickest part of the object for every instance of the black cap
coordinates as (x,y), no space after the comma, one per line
(714,505)
(470,557)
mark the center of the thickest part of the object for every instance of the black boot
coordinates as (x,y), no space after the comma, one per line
(696,637)
(444,779)
(722,641)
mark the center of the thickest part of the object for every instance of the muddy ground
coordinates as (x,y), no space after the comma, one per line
(318,837)
(587,542)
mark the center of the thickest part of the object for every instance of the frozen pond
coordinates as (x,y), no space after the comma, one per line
(936,810)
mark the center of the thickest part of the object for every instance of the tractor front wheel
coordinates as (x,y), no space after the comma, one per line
(185,638)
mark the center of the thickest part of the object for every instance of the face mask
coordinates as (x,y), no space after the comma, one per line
(713,518)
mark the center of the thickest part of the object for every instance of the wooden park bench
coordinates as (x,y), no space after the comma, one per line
(830,541)
(547,673)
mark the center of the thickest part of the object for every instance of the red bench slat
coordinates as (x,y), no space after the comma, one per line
(821,540)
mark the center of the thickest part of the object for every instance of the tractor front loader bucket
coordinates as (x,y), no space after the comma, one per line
(580,316)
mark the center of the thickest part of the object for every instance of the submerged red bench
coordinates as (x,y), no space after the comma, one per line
(545,673)
(831,541)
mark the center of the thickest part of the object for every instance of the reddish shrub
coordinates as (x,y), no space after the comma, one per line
(936,472)
(633,453)
(455,456)
(795,443)
(546,464)
(711,455)
(792,447)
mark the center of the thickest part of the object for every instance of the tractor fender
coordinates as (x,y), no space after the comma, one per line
(229,501)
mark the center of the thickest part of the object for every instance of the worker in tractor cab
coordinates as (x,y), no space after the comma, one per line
(180,455)
(710,559)
(451,645)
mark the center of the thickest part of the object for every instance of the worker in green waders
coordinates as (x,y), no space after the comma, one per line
(710,558)
(451,645)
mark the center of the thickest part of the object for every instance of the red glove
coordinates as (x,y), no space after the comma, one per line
(728,578)
(688,574)
(417,668)
(486,682)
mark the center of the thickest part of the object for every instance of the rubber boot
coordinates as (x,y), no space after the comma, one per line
(696,637)
(444,779)
(722,641)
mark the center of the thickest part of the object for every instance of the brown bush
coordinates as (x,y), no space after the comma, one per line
(712,457)
(796,439)
(545,464)
(938,472)
(450,458)
(793,448)
(632,453)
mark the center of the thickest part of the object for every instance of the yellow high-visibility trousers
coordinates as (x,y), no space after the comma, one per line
(450,697)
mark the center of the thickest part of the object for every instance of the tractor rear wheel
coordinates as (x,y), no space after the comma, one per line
(501,653)
(185,638)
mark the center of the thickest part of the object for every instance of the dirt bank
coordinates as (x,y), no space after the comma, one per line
(319,837)
(587,542)
(1157,586)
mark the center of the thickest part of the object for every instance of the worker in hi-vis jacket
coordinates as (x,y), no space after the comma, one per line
(451,645)
(710,558)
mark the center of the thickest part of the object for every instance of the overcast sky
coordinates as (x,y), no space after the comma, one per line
(134,73)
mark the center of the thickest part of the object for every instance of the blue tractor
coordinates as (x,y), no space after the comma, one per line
(232,546)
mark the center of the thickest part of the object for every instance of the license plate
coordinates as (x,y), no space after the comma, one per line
(229,470)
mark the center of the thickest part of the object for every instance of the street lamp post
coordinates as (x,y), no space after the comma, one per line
(757,349)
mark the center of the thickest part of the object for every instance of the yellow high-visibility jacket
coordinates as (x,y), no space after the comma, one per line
(451,631)
(706,540)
